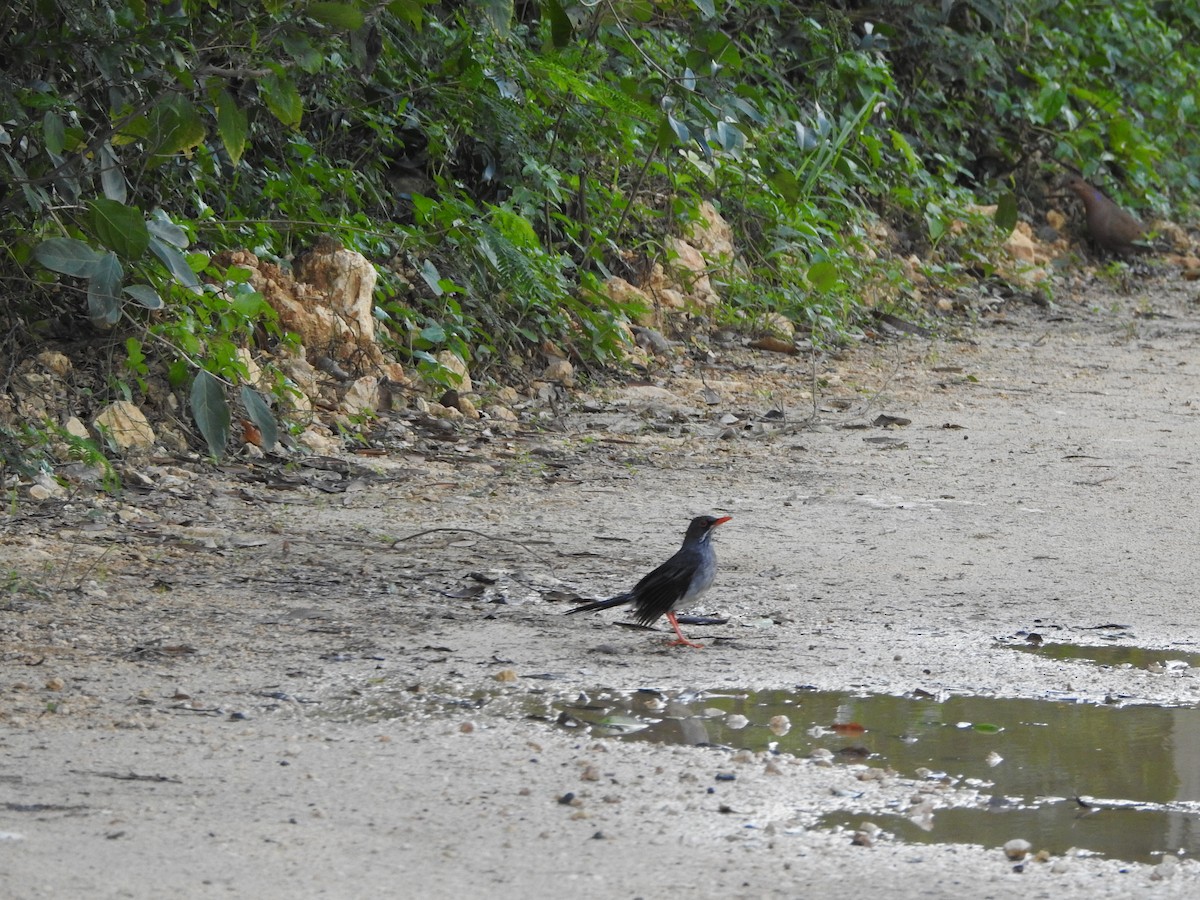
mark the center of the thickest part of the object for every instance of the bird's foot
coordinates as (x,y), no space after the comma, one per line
(684,642)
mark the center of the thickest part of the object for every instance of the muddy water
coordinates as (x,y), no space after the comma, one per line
(1119,781)
(1116,655)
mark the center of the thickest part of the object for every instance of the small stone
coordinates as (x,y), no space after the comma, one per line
(443,412)
(55,684)
(467,728)
(364,396)
(506,675)
(590,773)
(319,442)
(76,428)
(54,362)
(1165,869)
(736,722)
(462,380)
(780,725)
(467,408)
(125,425)
(558,369)
(1017,849)
(500,413)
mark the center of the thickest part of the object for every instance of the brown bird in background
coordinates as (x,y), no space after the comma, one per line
(1110,227)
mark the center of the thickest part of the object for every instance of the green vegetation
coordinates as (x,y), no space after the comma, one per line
(512,156)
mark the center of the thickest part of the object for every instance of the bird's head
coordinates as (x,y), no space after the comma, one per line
(701,526)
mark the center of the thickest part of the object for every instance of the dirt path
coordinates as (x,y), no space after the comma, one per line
(234,684)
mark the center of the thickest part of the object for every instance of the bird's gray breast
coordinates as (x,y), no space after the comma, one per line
(702,580)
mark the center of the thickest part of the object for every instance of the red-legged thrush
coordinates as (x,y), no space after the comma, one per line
(676,584)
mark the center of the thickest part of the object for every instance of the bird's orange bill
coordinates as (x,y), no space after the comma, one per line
(721,521)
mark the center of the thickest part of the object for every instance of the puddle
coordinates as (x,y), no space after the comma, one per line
(1137,768)
(1115,656)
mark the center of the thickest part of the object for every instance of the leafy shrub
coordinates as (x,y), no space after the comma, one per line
(511,157)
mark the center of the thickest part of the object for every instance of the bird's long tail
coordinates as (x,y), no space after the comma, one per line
(619,600)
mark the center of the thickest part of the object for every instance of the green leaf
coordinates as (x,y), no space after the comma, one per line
(805,137)
(145,295)
(282,98)
(135,358)
(423,207)
(432,277)
(119,227)
(54,132)
(823,276)
(112,179)
(561,30)
(260,414)
(785,182)
(678,129)
(68,256)
(35,197)
(249,303)
(233,126)
(175,127)
(176,264)
(730,137)
(211,412)
(411,11)
(498,14)
(163,228)
(304,55)
(707,8)
(1050,103)
(1006,213)
(104,298)
(339,15)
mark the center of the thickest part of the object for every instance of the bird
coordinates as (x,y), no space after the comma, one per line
(1110,227)
(676,584)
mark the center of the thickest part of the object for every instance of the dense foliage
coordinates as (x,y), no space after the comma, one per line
(510,156)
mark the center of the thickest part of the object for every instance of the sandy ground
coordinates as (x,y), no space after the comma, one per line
(275,681)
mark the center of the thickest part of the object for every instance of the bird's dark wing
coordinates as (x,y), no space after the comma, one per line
(618,600)
(657,593)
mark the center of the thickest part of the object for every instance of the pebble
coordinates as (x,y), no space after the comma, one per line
(1018,848)
(1164,869)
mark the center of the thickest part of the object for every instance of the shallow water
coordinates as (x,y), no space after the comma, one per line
(1120,781)
(1114,655)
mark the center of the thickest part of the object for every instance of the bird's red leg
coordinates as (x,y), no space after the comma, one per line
(682,642)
